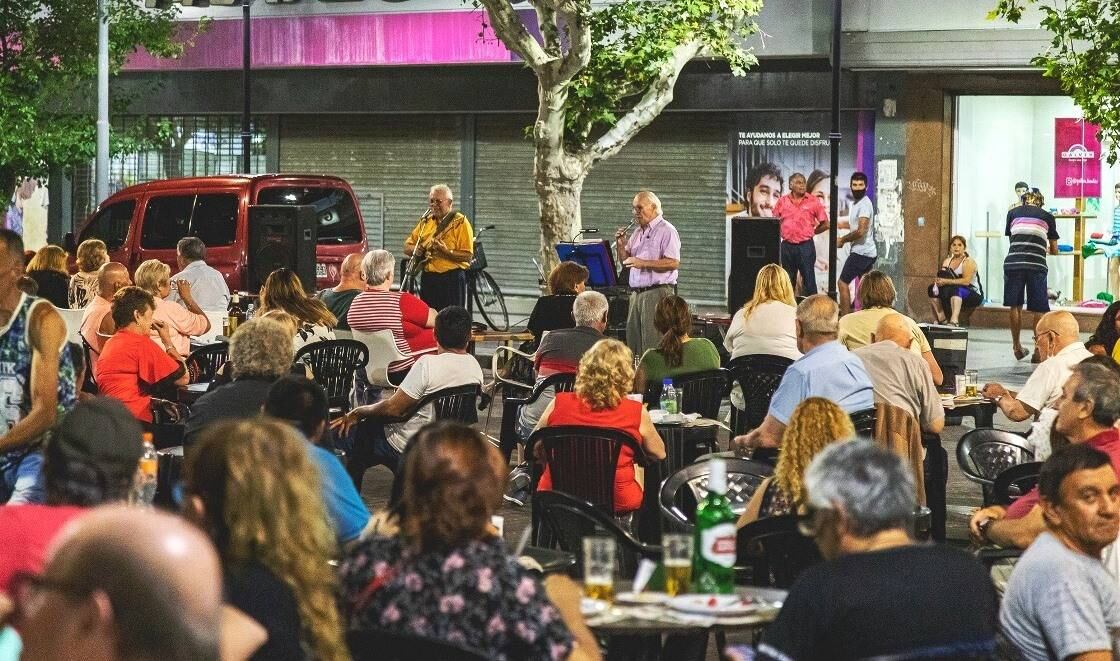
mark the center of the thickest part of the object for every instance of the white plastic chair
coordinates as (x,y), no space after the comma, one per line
(73,319)
(382,351)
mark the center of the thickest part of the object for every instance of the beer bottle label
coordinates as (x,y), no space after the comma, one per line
(717,544)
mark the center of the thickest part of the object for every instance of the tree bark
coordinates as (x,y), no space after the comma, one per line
(560,216)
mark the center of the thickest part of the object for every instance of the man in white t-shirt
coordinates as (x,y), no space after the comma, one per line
(378,443)
(862,238)
(1056,338)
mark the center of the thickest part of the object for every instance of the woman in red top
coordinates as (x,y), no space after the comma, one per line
(131,366)
(605,375)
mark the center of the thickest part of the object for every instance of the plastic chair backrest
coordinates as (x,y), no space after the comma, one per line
(582,460)
(702,392)
(1015,482)
(203,362)
(73,321)
(564,520)
(333,363)
(864,422)
(758,376)
(775,550)
(458,404)
(378,645)
(678,506)
(511,406)
(382,348)
(983,454)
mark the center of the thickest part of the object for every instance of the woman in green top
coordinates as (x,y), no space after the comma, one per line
(677,354)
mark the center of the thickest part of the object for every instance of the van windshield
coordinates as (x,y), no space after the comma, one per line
(334,207)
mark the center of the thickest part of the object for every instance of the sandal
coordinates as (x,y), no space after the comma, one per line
(1020,353)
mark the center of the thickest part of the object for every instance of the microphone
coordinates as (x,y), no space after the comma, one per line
(590,230)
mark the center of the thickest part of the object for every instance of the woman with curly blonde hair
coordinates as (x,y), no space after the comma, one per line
(282,290)
(605,375)
(815,423)
(252,486)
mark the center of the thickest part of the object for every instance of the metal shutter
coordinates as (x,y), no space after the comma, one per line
(394,159)
(683,159)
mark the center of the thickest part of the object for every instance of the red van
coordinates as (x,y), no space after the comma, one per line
(147,220)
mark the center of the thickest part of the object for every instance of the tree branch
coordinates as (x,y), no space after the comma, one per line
(578,28)
(546,22)
(509,28)
(659,95)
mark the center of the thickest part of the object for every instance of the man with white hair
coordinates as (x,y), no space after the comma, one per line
(441,247)
(351,283)
(878,594)
(826,369)
(653,254)
(380,308)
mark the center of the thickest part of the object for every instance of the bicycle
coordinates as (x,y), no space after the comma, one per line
(481,288)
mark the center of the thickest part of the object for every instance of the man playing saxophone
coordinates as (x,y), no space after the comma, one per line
(441,246)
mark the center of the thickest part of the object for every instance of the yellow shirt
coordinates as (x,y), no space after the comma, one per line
(458,236)
(856,329)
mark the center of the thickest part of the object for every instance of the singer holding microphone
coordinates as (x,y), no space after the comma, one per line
(653,253)
(440,249)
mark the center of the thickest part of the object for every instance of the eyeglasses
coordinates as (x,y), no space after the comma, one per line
(1039,337)
(25,587)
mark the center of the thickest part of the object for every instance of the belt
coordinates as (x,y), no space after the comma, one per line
(638,290)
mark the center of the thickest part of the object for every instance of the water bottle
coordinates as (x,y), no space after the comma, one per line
(669,400)
(148,472)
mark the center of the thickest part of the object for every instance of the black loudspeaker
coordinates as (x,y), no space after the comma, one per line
(755,242)
(279,236)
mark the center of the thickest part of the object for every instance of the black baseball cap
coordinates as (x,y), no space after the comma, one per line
(100,430)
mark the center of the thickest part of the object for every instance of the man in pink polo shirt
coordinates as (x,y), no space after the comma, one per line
(802,216)
(1087,413)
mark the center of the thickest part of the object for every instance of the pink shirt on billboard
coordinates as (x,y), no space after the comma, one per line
(658,240)
(799,218)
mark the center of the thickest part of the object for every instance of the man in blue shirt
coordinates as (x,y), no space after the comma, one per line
(303,403)
(826,369)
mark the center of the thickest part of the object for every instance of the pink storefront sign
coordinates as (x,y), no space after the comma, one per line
(444,37)
(1077,158)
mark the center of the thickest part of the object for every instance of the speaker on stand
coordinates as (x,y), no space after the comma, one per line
(755,242)
(282,236)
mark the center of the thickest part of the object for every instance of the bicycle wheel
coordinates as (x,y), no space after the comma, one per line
(488,297)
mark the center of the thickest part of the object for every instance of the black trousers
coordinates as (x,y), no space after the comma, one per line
(800,258)
(440,290)
(936,469)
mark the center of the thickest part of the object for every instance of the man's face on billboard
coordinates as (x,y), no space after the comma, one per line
(765,195)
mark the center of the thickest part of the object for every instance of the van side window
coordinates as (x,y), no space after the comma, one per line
(334,207)
(215,218)
(166,220)
(111,224)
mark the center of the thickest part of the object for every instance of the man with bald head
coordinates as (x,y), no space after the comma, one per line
(900,377)
(352,281)
(653,255)
(825,369)
(123,583)
(1056,338)
(97,324)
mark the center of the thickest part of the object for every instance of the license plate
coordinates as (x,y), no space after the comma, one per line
(320,270)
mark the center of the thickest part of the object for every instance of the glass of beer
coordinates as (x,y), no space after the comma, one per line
(598,567)
(972,382)
(676,557)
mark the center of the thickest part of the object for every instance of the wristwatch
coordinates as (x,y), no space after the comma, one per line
(983,528)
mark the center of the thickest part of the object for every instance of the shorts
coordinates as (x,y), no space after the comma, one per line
(1035,283)
(855,266)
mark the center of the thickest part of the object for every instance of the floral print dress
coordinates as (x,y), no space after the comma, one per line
(476,596)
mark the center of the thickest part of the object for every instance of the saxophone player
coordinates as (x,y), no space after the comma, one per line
(443,243)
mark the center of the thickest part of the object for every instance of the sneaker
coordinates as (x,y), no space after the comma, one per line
(517,490)
(517,499)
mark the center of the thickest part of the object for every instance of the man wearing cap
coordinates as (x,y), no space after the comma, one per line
(91,459)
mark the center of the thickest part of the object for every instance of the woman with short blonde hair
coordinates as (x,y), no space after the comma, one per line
(48,269)
(182,321)
(604,378)
(766,325)
(814,424)
(90,256)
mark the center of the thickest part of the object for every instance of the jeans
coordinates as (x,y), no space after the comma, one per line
(370,448)
(21,481)
(800,258)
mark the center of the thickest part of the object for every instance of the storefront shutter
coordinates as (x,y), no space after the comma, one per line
(391,162)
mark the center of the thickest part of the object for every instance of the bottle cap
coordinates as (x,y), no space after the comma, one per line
(148,437)
(666,382)
(717,477)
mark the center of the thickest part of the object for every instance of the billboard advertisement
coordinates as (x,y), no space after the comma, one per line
(1077,158)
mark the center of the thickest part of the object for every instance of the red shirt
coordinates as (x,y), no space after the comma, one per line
(569,409)
(401,312)
(128,361)
(1107,442)
(799,218)
(25,533)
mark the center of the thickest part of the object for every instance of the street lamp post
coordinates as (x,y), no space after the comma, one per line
(246,81)
(101,164)
(834,148)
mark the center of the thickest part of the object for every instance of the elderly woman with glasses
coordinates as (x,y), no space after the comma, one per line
(182,321)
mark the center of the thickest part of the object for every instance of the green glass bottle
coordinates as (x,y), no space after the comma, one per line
(713,559)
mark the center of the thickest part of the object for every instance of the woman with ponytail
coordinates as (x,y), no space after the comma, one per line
(676,354)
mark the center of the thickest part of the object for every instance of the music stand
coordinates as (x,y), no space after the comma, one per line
(596,256)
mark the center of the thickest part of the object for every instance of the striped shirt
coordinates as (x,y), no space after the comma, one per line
(1031,229)
(404,314)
